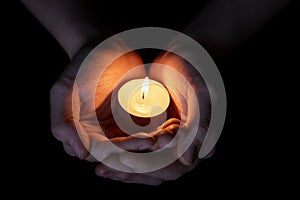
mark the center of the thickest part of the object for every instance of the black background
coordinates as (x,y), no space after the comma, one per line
(254,78)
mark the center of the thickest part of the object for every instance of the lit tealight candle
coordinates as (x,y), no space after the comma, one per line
(144,97)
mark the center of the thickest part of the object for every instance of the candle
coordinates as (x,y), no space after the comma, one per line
(144,97)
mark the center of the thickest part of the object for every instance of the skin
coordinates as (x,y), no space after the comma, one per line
(189,159)
(220,27)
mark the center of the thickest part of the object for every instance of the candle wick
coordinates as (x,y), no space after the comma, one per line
(143,95)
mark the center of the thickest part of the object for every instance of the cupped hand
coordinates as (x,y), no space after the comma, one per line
(189,94)
(69,120)
(71,107)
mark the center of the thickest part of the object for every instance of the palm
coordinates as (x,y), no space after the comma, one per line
(102,102)
(189,94)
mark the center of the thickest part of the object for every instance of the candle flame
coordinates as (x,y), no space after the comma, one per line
(145,87)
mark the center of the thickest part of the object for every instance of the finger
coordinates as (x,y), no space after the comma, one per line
(61,110)
(62,119)
(197,126)
(165,134)
(139,179)
(190,155)
(71,137)
(113,162)
(101,147)
(164,138)
(170,122)
(145,162)
(62,123)
(107,172)
(69,149)
(170,172)
(191,152)
(137,142)
(199,99)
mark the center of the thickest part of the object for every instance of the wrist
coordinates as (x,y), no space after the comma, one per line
(87,37)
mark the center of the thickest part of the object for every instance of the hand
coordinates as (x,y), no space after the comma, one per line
(185,95)
(71,109)
(69,120)
(62,120)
